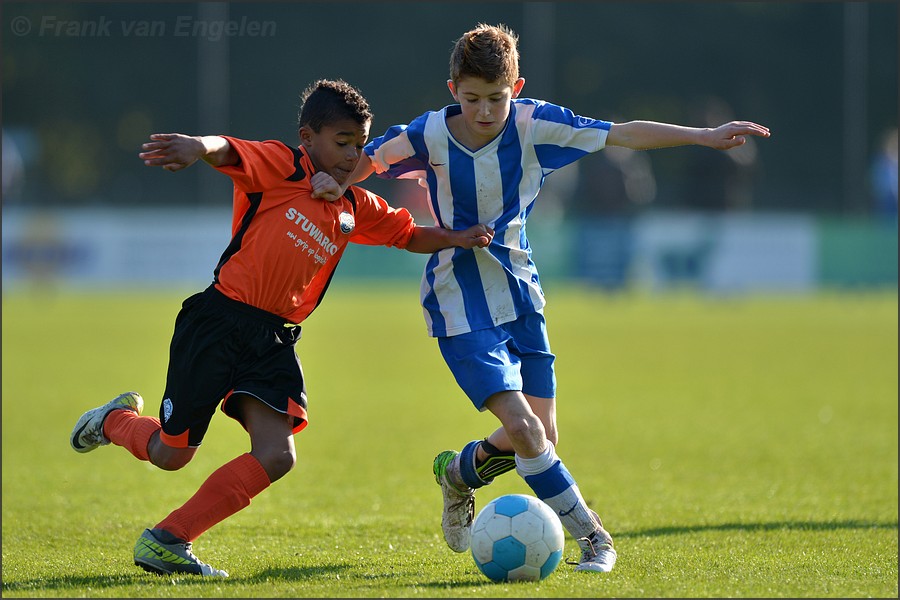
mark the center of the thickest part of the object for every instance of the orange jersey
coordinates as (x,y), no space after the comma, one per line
(286,244)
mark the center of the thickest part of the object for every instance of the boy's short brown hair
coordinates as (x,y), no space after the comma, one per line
(327,101)
(489,52)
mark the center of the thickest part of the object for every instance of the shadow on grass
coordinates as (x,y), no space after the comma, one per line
(306,573)
(753,527)
(97,582)
(74,582)
(78,582)
(82,582)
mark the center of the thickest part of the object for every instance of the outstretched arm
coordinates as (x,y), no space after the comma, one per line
(176,151)
(426,240)
(645,135)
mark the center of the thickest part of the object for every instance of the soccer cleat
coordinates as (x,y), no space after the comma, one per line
(597,553)
(459,505)
(88,432)
(170,559)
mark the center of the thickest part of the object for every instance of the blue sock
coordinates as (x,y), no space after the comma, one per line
(467,468)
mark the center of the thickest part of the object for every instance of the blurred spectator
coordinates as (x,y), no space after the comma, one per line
(616,181)
(883,177)
(13,168)
(718,181)
(612,187)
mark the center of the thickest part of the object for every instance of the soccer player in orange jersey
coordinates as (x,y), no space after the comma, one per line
(234,343)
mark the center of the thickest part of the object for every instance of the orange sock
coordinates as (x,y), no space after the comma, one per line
(228,490)
(127,429)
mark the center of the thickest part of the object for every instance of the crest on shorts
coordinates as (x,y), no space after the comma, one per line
(347,222)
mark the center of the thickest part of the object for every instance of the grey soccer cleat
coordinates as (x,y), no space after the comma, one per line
(88,432)
(170,559)
(459,505)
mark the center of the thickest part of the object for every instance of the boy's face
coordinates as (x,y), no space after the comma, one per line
(485,105)
(336,148)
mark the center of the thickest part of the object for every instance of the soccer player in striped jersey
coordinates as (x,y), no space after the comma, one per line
(483,160)
(234,343)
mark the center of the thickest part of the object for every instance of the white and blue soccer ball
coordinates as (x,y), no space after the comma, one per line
(517,538)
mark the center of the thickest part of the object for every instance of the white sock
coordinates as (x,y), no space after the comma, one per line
(551,482)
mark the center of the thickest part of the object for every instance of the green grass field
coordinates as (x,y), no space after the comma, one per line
(742,447)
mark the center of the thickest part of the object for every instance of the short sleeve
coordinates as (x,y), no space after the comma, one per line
(409,168)
(561,137)
(378,223)
(262,164)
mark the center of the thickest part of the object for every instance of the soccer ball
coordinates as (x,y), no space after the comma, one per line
(517,538)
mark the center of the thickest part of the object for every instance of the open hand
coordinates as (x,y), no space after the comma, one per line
(172,151)
(731,135)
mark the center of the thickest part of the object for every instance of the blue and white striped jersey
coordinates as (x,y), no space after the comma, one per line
(467,290)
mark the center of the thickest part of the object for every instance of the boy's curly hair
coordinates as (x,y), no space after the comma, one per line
(487,51)
(329,100)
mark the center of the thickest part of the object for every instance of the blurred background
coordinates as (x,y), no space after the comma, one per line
(813,207)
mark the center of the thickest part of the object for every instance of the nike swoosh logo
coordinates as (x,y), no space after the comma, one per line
(78,435)
(434,164)
(158,553)
(564,513)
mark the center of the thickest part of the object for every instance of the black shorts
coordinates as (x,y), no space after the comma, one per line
(222,347)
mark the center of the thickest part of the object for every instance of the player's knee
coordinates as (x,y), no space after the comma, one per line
(517,430)
(527,434)
(277,464)
(168,458)
(172,463)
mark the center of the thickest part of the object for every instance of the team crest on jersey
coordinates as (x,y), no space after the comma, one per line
(584,122)
(347,222)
